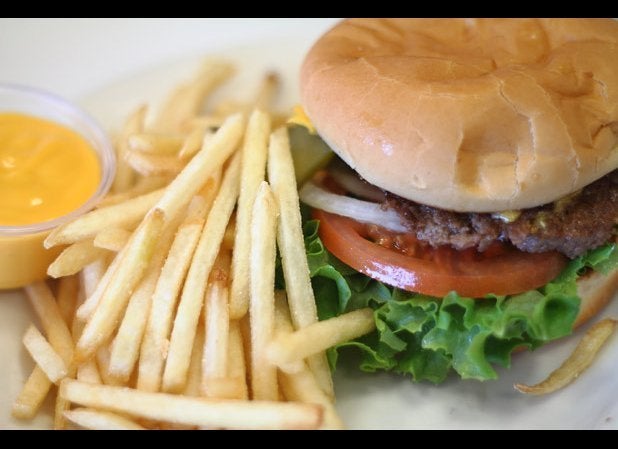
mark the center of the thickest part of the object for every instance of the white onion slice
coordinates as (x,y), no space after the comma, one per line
(350,181)
(359,210)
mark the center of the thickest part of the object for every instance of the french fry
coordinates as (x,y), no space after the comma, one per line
(225,413)
(128,273)
(38,385)
(229,107)
(156,143)
(102,356)
(253,168)
(267,91)
(197,138)
(124,174)
(152,164)
(74,258)
(95,278)
(236,367)
(318,337)
(216,325)
(68,291)
(112,239)
(90,276)
(262,296)
(191,301)
(297,382)
(292,247)
(44,355)
(230,234)
(303,387)
(169,284)
(186,101)
(205,121)
(126,344)
(98,420)
(123,215)
(48,312)
(128,339)
(205,163)
(579,360)
(284,327)
(194,376)
(60,406)
(89,372)
(143,185)
(31,396)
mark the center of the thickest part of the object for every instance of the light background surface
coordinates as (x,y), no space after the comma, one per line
(110,66)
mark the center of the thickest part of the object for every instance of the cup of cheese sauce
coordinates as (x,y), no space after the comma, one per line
(56,163)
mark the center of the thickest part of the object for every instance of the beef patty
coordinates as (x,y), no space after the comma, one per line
(573,225)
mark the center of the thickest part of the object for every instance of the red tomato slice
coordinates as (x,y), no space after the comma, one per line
(413,266)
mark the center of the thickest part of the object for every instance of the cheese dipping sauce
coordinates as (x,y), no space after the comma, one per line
(56,163)
(46,170)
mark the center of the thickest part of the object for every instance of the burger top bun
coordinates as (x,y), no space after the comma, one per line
(469,115)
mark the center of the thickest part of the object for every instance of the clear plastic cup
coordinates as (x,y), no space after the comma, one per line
(23,259)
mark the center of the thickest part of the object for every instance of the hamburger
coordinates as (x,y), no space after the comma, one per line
(473,199)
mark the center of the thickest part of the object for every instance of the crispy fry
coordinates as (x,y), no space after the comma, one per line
(156,143)
(130,270)
(205,121)
(74,258)
(197,138)
(46,309)
(194,376)
(186,101)
(112,239)
(68,291)
(96,277)
(205,163)
(262,297)
(236,368)
(126,344)
(165,295)
(298,382)
(124,174)
(303,387)
(152,164)
(31,396)
(579,360)
(102,357)
(123,215)
(216,324)
(318,337)
(61,405)
(283,328)
(266,93)
(226,413)
(90,276)
(185,323)
(44,355)
(89,372)
(98,420)
(144,185)
(253,165)
(38,385)
(292,247)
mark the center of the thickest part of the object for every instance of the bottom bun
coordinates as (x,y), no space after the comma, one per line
(595,291)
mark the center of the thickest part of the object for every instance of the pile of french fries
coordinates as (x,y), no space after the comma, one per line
(164,313)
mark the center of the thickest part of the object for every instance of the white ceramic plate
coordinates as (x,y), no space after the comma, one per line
(364,400)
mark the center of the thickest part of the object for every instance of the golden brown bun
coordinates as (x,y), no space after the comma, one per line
(469,115)
(595,290)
